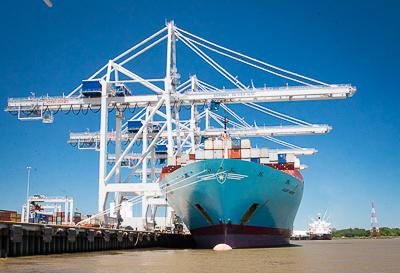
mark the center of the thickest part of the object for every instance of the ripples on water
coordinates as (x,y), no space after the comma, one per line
(306,256)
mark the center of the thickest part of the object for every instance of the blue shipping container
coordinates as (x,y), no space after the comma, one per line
(161,149)
(91,85)
(91,88)
(235,143)
(281,158)
(41,218)
(134,125)
(255,160)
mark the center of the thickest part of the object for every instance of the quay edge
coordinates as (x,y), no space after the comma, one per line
(21,239)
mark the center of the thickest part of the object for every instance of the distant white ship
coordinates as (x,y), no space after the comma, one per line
(320,229)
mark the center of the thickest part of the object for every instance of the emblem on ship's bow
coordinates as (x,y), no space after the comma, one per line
(222,176)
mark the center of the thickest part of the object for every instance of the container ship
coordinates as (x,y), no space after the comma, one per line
(320,229)
(234,194)
(223,189)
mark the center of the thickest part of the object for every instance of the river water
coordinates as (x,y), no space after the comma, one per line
(380,255)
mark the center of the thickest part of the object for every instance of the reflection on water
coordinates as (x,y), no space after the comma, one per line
(306,256)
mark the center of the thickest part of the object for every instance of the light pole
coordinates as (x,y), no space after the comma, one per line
(27,209)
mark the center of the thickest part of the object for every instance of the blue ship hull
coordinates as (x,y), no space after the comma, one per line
(240,203)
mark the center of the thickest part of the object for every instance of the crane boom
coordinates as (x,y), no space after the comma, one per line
(214,132)
(227,96)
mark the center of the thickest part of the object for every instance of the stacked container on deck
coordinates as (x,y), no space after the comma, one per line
(237,149)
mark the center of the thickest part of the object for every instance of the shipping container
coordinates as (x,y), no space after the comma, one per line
(234,153)
(264,160)
(41,218)
(297,163)
(161,149)
(208,154)
(200,155)
(255,153)
(7,215)
(192,156)
(245,153)
(218,153)
(273,157)
(290,158)
(255,159)
(264,152)
(218,144)
(208,144)
(236,143)
(134,126)
(228,143)
(281,158)
(245,143)
(91,88)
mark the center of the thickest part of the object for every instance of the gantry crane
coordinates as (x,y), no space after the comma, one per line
(168,118)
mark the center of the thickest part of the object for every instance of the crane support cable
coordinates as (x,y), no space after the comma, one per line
(140,44)
(250,64)
(119,57)
(143,50)
(267,110)
(130,145)
(251,58)
(213,63)
(101,213)
(277,114)
(137,54)
(216,119)
(146,153)
(245,124)
(230,111)
(183,86)
(275,140)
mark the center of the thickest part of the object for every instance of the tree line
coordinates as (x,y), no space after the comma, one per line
(359,232)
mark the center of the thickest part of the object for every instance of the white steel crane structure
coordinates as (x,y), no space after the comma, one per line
(52,204)
(177,115)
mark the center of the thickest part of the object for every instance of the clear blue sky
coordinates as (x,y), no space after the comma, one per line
(51,50)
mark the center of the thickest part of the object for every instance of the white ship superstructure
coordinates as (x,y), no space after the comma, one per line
(320,229)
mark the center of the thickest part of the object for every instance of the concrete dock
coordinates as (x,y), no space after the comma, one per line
(21,239)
